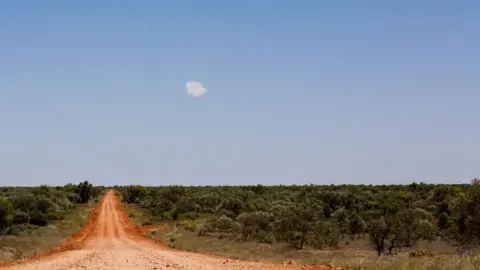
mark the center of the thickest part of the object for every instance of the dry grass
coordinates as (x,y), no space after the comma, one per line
(38,240)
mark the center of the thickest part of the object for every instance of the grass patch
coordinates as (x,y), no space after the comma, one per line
(38,240)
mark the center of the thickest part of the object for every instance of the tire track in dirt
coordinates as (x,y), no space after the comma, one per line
(109,240)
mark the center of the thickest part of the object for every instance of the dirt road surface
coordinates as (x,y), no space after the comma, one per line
(110,241)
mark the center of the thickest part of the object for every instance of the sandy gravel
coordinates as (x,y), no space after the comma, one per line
(110,241)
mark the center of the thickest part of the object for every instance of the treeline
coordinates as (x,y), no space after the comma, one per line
(390,217)
(21,207)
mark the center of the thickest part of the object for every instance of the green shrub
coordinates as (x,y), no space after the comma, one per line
(20,217)
(6,217)
(166,216)
(45,205)
(267,238)
(38,218)
(24,202)
(74,198)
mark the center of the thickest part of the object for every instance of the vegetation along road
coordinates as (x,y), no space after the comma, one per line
(400,227)
(110,241)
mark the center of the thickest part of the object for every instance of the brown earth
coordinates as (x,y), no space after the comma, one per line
(109,240)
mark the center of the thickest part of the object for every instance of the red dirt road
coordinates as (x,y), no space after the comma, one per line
(110,241)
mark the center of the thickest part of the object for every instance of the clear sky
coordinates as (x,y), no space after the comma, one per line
(299,92)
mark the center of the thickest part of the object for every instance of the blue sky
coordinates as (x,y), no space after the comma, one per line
(299,92)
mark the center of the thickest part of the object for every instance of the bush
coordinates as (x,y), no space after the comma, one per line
(85,190)
(24,202)
(267,238)
(63,203)
(322,216)
(226,224)
(74,198)
(175,215)
(5,214)
(38,218)
(45,205)
(166,216)
(20,217)
(38,205)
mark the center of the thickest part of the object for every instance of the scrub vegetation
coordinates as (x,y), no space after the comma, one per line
(34,220)
(416,226)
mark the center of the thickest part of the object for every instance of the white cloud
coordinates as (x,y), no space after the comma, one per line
(195,89)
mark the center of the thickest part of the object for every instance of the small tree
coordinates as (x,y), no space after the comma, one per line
(414,224)
(342,221)
(467,217)
(134,193)
(38,218)
(356,225)
(298,222)
(252,222)
(325,233)
(379,230)
(6,218)
(85,190)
